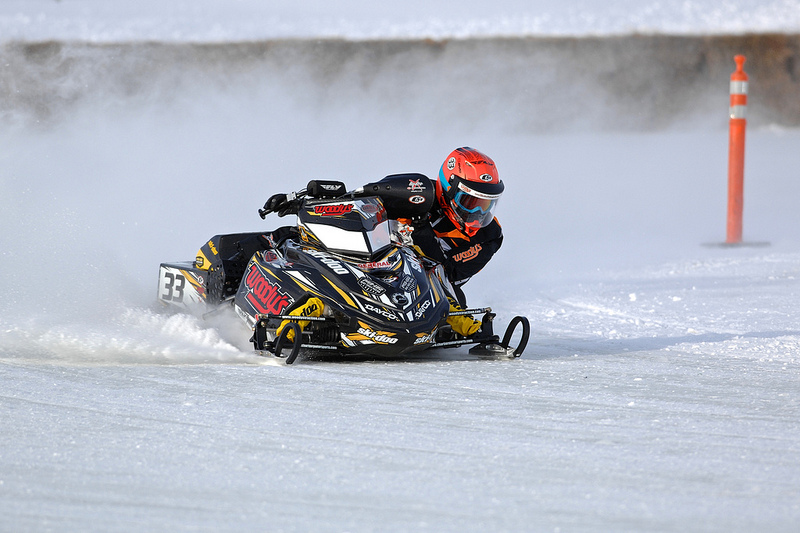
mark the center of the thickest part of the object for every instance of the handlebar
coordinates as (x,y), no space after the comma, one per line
(283,203)
(280,203)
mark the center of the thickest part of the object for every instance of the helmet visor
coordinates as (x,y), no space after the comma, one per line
(473,206)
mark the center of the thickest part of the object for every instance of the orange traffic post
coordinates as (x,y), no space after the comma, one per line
(738,124)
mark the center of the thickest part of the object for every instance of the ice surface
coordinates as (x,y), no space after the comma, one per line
(659,391)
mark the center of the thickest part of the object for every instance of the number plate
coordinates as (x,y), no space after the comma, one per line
(183,287)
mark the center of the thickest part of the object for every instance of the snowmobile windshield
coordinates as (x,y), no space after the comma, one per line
(354,227)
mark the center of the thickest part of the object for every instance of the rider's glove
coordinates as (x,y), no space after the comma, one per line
(281,204)
(276,202)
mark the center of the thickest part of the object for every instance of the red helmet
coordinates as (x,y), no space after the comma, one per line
(468,188)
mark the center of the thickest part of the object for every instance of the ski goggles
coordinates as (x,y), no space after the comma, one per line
(474,206)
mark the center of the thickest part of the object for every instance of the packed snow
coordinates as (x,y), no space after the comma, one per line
(659,390)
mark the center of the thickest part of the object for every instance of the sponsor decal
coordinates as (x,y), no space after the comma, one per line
(370,209)
(425,338)
(212,248)
(370,286)
(417,199)
(468,254)
(333,210)
(381,311)
(415,186)
(364,332)
(374,211)
(451,163)
(374,264)
(408,284)
(379,337)
(270,256)
(199,261)
(331,263)
(422,308)
(414,263)
(399,299)
(264,296)
(486,177)
(329,187)
(309,310)
(477,194)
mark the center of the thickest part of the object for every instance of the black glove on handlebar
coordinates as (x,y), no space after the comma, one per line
(279,203)
(276,202)
(289,208)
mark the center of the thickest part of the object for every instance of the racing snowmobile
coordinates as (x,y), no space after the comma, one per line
(341,280)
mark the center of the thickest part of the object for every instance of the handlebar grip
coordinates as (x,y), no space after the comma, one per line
(282,204)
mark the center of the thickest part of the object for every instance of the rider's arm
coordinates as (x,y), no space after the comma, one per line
(468,260)
(408,196)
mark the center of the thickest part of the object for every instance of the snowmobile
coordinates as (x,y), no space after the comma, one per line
(341,280)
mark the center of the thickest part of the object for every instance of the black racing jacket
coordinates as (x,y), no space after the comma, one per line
(461,255)
(411,198)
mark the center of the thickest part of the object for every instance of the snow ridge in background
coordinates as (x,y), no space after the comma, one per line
(242,20)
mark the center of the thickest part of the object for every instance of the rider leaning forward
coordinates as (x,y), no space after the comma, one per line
(459,230)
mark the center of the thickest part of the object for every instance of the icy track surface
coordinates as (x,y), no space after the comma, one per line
(641,405)
(661,399)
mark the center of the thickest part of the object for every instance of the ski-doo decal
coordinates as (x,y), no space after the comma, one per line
(414,263)
(425,338)
(328,261)
(367,335)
